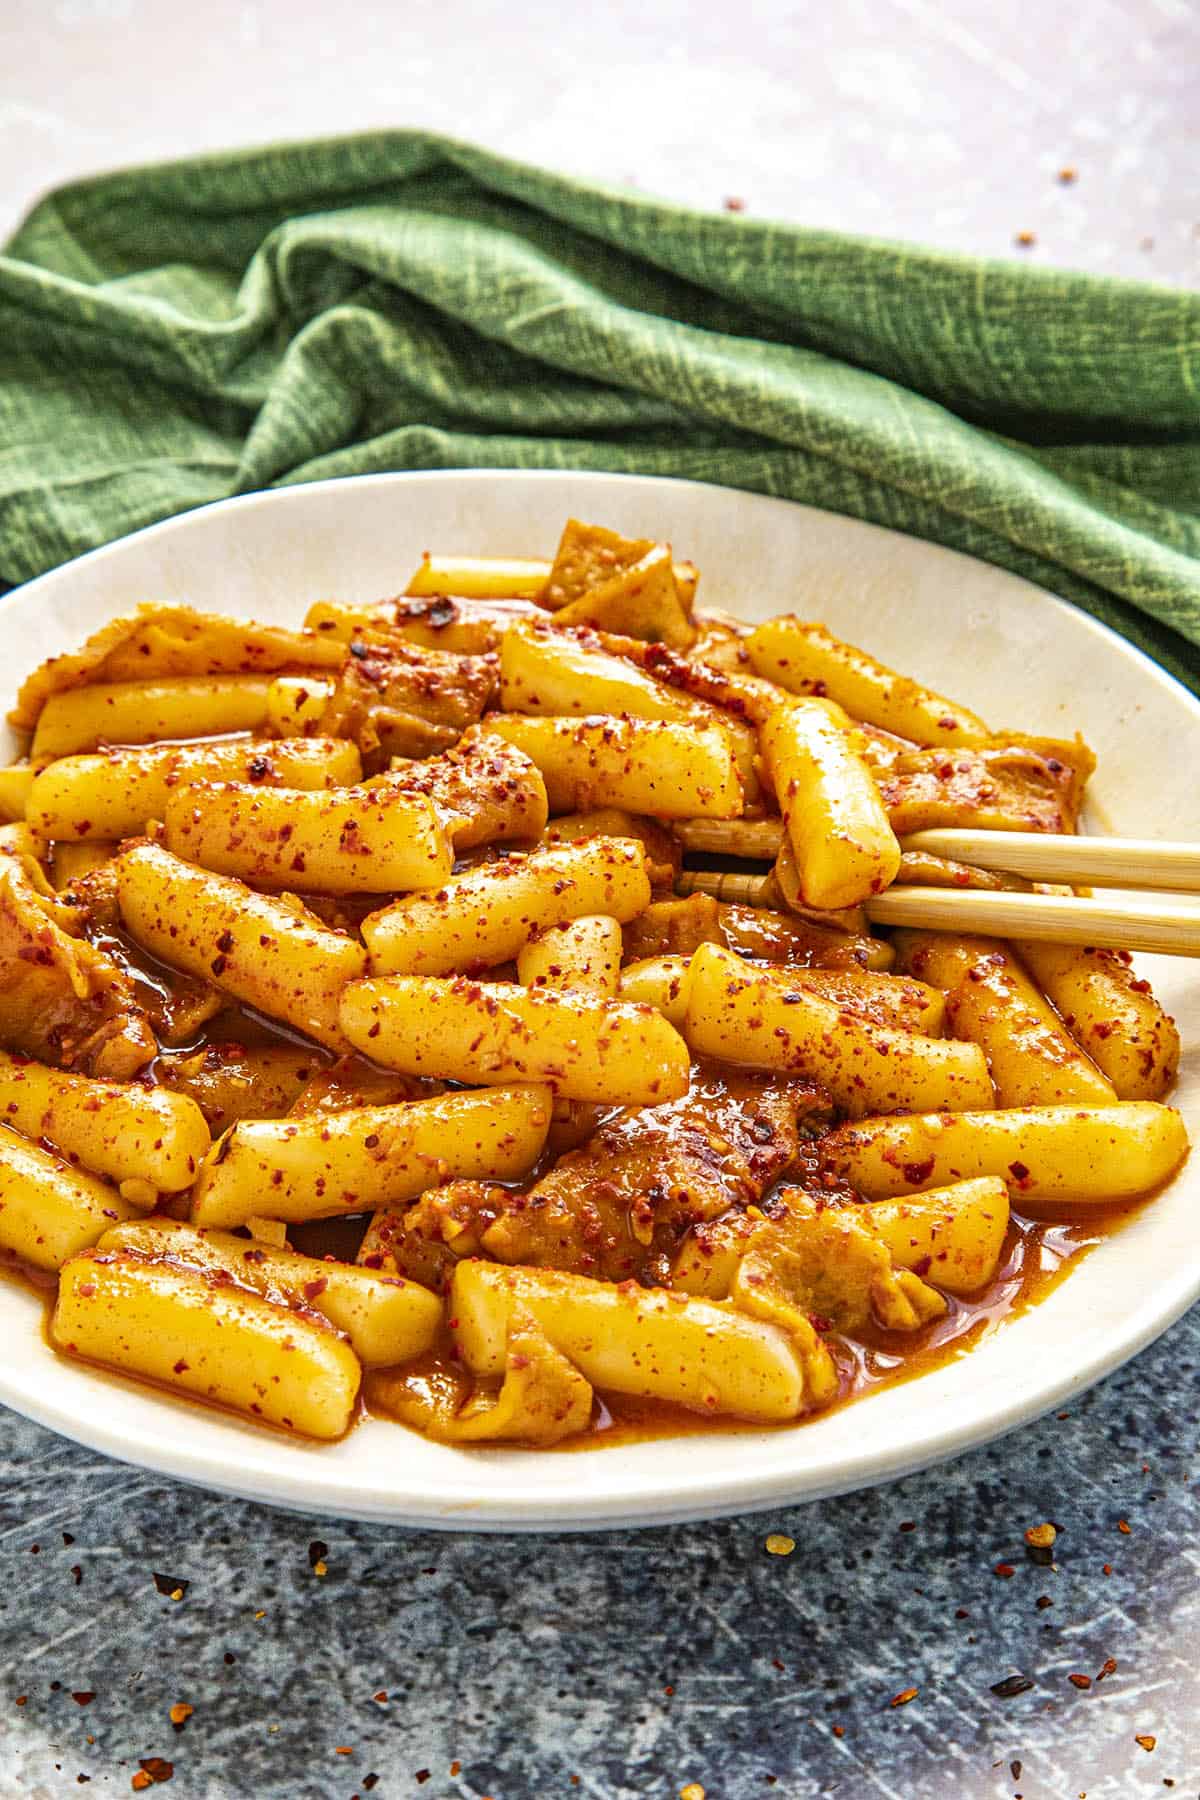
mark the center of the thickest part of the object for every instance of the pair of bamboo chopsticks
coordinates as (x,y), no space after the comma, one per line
(1115,920)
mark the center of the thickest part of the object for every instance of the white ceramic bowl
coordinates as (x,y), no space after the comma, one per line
(1012,652)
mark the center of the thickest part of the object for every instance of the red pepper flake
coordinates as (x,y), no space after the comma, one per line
(155,1769)
(77,1574)
(372,1780)
(1109,1667)
(22,1699)
(904,1696)
(317,1552)
(1015,1769)
(1147,1740)
(1043,1601)
(1080,1681)
(960,1612)
(84,1697)
(668,1691)
(1124,1527)
(1107,1569)
(1004,1570)
(229,1659)
(456,1768)
(839,1731)
(171,1586)
(67,1539)
(421,1776)
(180,1713)
(343,1750)
(179,1368)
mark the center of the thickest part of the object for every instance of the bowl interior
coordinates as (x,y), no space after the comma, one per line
(1011,652)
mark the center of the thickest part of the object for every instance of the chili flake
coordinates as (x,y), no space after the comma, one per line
(152,1769)
(1080,1681)
(692,1791)
(904,1696)
(1039,1541)
(170,1585)
(779,1545)
(1122,1526)
(1146,1740)
(1004,1570)
(180,1713)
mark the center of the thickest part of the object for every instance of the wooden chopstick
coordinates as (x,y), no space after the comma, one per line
(1122,924)
(1082,861)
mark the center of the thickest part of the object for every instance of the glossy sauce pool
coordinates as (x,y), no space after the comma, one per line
(1038,1254)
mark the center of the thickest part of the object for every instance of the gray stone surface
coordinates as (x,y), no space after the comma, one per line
(627,1664)
(946,121)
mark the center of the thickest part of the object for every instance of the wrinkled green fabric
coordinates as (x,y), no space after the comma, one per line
(176,334)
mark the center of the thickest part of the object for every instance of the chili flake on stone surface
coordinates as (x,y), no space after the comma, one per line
(778,1544)
(904,1696)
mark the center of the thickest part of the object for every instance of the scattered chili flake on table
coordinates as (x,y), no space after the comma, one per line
(1004,1570)
(171,1586)
(317,1552)
(1080,1681)
(343,1750)
(380,1698)
(180,1713)
(455,1768)
(1124,1527)
(77,1574)
(84,1697)
(370,1781)
(1109,1668)
(1039,1543)
(152,1770)
(22,1699)
(261,1614)
(1043,1601)
(780,1545)
(839,1731)
(1146,1740)
(904,1696)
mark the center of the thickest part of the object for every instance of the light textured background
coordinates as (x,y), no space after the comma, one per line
(940,120)
(543,1668)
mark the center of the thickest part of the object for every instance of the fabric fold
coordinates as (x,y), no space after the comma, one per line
(175,334)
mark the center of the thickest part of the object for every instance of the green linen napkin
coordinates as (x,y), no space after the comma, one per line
(176,334)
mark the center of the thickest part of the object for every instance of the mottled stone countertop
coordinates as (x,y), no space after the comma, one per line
(632,1664)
